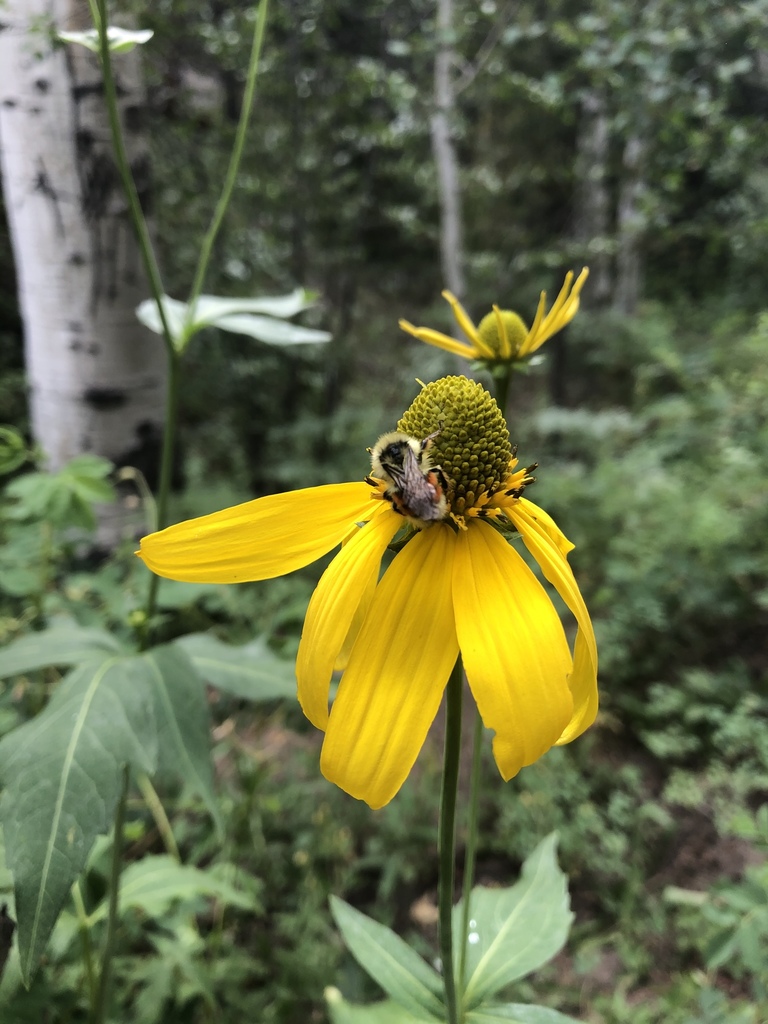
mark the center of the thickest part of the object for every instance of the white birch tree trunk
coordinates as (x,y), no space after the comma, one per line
(96,376)
(444,152)
(630,226)
(592,221)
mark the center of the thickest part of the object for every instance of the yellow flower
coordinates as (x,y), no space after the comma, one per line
(455,585)
(501,335)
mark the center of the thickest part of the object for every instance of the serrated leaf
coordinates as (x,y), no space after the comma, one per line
(391,962)
(62,778)
(120,40)
(250,671)
(183,724)
(13,450)
(154,884)
(518,1013)
(87,467)
(60,645)
(386,1012)
(513,931)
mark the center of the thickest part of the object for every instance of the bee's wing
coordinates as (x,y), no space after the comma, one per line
(411,475)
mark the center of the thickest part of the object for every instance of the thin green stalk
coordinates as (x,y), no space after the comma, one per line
(166,468)
(102,997)
(85,940)
(124,167)
(501,386)
(471,848)
(156,809)
(237,152)
(446,837)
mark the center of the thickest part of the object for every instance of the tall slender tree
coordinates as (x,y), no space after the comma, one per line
(96,376)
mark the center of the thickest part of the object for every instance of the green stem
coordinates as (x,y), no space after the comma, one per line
(124,167)
(156,809)
(471,847)
(102,996)
(166,468)
(501,387)
(85,939)
(234,160)
(446,836)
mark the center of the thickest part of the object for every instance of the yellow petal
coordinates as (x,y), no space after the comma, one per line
(583,683)
(515,653)
(538,538)
(260,539)
(547,523)
(563,310)
(505,345)
(332,608)
(457,348)
(397,672)
(342,658)
(464,322)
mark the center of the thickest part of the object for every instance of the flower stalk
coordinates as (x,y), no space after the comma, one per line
(446,838)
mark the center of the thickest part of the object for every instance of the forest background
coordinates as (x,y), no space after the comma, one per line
(623,137)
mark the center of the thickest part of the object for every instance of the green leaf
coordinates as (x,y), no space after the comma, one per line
(251,671)
(62,778)
(386,1012)
(62,644)
(154,884)
(391,962)
(514,931)
(518,1013)
(183,724)
(13,450)
(120,40)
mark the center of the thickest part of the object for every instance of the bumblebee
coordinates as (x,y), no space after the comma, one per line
(414,486)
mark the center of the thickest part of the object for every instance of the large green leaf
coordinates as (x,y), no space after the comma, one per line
(391,962)
(182,722)
(518,1013)
(61,644)
(251,671)
(153,884)
(62,778)
(386,1012)
(514,931)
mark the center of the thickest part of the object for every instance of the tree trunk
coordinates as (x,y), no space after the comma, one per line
(591,227)
(630,224)
(96,376)
(444,151)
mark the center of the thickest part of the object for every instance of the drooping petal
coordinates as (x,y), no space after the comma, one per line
(543,545)
(260,539)
(431,337)
(397,672)
(342,658)
(583,683)
(332,609)
(465,323)
(515,653)
(548,524)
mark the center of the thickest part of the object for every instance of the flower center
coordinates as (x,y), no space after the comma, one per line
(472,447)
(503,332)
